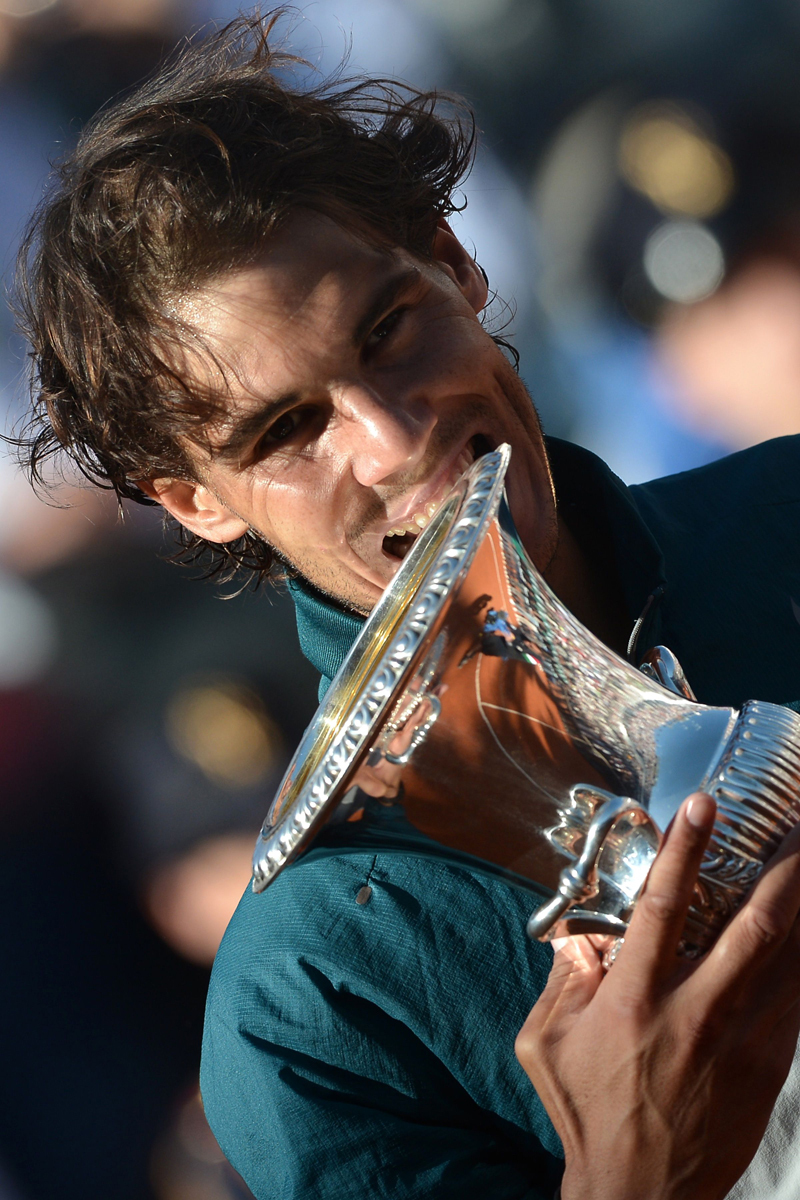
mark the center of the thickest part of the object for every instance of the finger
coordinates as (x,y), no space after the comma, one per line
(602,942)
(574,978)
(763,927)
(656,927)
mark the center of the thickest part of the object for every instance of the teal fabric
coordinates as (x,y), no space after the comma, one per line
(346,1050)
(366,1050)
(325,633)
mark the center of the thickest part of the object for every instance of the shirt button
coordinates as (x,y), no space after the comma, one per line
(364,895)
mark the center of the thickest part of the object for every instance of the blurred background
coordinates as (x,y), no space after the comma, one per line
(636,204)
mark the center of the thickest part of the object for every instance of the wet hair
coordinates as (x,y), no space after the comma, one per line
(185,179)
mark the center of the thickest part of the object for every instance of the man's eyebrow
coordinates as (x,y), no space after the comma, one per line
(245,428)
(383,299)
(242,431)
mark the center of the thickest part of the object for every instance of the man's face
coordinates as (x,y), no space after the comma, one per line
(361,385)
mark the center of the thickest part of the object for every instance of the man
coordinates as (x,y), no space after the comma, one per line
(246,305)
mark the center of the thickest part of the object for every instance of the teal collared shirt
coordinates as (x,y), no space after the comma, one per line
(365,1050)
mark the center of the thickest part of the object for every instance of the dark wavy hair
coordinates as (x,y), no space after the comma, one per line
(182,180)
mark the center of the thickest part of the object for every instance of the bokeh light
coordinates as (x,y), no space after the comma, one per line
(27,633)
(665,155)
(25,8)
(225,730)
(683,261)
(191,899)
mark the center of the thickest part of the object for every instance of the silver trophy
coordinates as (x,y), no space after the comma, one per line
(476,720)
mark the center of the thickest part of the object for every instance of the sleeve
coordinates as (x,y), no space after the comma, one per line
(294,1126)
(335,1065)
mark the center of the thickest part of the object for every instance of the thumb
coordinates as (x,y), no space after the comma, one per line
(574,978)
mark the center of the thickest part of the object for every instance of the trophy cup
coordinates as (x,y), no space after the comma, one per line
(475,719)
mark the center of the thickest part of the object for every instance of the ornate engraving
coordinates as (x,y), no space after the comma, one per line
(611,712)
(757,789)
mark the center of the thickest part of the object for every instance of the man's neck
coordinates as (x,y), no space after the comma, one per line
(588,590)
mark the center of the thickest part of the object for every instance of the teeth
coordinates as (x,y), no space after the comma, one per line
(419,522)
(421,519)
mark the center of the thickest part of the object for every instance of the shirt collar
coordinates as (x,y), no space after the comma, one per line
(601,512)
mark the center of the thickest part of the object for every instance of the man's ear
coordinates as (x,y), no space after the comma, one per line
(197,509)
(459,265)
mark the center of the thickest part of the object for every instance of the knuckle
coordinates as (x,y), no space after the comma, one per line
(765,925)
(701,1028)
(528,1044)
(525,1042)
(661,906)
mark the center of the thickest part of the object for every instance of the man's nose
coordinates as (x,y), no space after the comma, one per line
(384,435)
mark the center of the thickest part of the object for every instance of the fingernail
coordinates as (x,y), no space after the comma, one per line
(558,943)
(700,810)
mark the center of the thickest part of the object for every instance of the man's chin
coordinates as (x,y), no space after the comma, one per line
(344,595)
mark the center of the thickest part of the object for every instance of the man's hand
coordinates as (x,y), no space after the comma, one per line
(660,1076)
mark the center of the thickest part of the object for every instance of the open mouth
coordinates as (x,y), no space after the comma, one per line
(398,541)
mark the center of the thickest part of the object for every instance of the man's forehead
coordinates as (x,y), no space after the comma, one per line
(309,268)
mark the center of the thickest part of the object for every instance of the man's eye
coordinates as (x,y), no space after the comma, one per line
(282,427)
(384,328)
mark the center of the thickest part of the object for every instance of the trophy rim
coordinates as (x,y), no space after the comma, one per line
(378,665)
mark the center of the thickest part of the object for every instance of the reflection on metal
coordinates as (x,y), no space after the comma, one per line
(579,882)
(477,721)
(418,736)
(661,664)
(502,639)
